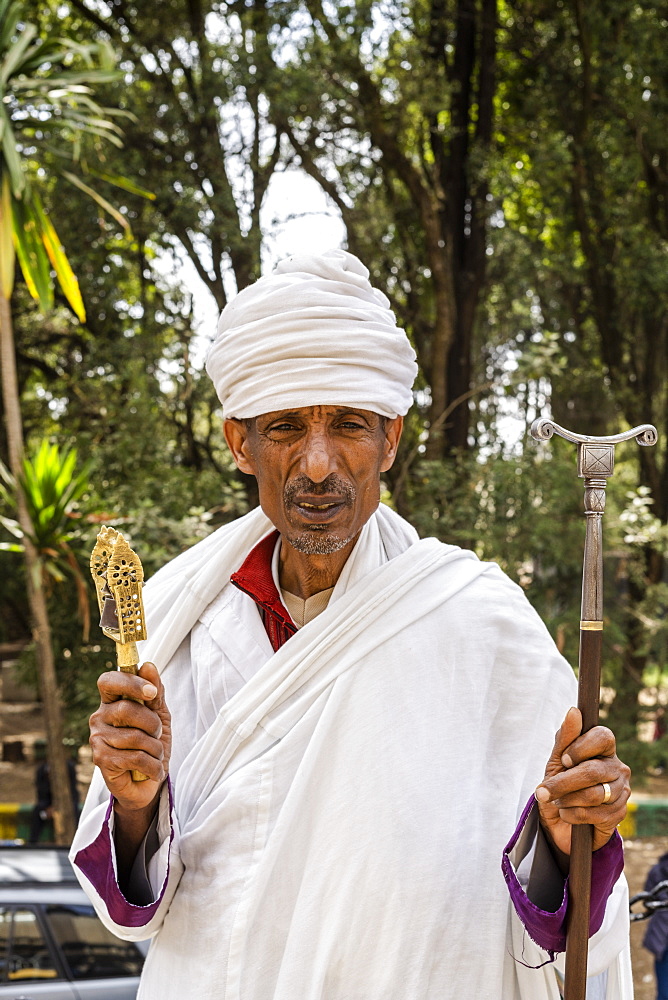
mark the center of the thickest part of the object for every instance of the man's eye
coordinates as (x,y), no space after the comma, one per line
(282,427)
(352,425)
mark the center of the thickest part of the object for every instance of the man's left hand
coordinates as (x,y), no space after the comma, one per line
(585,782)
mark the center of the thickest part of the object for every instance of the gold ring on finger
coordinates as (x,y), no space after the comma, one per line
(606,792)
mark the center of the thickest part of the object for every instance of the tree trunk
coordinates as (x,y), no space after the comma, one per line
(63,811)
(445,325)
(462,217)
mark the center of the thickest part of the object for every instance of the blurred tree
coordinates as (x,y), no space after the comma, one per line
(399,133)
(589,194)
(501,168)
(195,76)
(46,85)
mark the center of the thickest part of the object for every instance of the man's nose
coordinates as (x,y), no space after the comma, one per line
(318,459)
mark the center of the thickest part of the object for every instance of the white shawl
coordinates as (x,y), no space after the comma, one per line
(339,827)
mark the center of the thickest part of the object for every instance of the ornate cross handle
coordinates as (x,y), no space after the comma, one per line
(118,576)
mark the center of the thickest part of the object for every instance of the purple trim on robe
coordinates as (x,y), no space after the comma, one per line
(546,928)
(95,861)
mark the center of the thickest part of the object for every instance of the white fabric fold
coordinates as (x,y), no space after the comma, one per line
(341,818)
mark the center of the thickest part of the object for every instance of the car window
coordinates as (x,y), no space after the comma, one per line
(24,954)
(91,951)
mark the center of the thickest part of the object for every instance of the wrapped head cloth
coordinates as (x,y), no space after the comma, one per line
(314,332)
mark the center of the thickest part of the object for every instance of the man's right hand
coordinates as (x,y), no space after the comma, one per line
(126,736)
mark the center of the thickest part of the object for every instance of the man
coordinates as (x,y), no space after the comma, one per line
(352,720)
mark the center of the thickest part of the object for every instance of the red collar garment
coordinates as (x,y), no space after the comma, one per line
(254,577)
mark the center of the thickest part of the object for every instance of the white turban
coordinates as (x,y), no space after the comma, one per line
(313,332)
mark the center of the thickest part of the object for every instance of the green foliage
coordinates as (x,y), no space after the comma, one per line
(51,487)
(195,81)
(524,512)
(47,87)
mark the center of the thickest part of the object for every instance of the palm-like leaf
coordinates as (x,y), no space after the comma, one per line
(47,97)
(51,486)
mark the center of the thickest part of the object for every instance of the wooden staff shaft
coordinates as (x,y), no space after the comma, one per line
(589,686)
(579,881)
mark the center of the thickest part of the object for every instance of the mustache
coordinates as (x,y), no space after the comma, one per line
(332,486)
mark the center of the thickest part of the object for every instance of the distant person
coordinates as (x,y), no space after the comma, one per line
(43,810)
(656,937)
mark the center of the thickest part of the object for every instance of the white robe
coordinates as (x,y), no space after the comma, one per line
(339,821)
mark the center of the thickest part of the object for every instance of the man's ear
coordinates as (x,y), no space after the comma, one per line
(236,434)
(393,429)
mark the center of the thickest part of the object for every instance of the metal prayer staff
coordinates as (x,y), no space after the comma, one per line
(118,576)
(596,458)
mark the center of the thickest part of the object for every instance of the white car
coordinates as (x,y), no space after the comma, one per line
(52,944)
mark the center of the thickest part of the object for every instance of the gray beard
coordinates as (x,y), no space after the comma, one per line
(317,542)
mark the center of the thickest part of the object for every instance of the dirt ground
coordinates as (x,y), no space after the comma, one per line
(16,785)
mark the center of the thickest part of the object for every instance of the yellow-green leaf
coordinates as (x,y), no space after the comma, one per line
(61,265)
(31,254)
(7,253)
(124,183)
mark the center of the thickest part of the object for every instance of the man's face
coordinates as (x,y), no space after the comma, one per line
(317,468)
